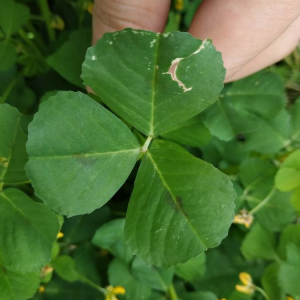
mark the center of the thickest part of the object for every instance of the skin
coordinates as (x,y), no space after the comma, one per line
(251,34)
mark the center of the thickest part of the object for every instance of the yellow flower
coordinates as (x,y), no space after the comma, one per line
(46,270)
(119,290)
(60,235)
(243,218)
(248,287)
(41,289)
(57,23)
(244,289)
(179,4)
(289,298)
(245,278)
(113,291)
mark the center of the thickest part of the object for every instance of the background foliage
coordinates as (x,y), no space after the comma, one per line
(251,133)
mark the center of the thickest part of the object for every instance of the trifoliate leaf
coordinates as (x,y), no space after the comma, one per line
(154,81)
(80,153)
(176,192)
(13,154)
(28,231)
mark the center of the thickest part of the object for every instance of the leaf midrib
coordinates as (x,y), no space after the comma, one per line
(175,201)
(87,154)
(154,85)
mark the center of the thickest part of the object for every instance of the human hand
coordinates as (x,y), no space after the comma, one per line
(251,34)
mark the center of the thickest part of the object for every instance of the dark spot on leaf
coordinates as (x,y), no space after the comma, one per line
(178,205)
(240,137)
(4,270)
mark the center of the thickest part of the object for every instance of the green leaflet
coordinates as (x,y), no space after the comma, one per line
(85,258)
(180,206)
(192,270)
(110,236)
(119,274)
(257,176)
(288,176)
(190,133)
(290,235)
(28,231)
(81,228)
(129,71)
(86,150)
(256,172)
(277,213)
(64,266)
(154,277)
(12,147)
(245,103)
(12,16)
(17,286)
(270,282)
(259,243)
(289,271)
(66,61)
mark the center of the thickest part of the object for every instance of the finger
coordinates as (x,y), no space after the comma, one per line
(113,15)
(243,29)
(278,50)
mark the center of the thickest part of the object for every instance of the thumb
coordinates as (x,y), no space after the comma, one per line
(113,15)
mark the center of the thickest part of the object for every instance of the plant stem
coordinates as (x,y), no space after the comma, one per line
(44,7)
(260,290)
(37,36)
(93,285)
(146,145)
(263,203)
(30,43)
(172,293)
(8,90)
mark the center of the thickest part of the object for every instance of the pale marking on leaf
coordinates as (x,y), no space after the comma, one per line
(174,65)
(152,43)
(94,57)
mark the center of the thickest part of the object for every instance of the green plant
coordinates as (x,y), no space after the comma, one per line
(119,194)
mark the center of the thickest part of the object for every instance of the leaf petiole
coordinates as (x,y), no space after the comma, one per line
(172,293)
(146,144)
(263,203)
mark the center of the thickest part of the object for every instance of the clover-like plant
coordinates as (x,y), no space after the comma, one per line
(81,153)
